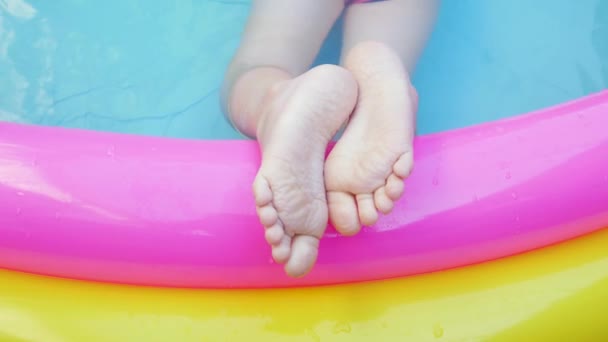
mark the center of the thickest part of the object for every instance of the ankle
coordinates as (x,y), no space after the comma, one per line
(250,91)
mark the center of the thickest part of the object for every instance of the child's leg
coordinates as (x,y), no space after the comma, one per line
(365,171)
(402,25)
(293,115)
(280,41)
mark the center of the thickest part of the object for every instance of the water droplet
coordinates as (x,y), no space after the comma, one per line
(20,193)
(508,175)
(437,330)
(18,211)
(342,327)
(111,152)
(514,195)
(435,180)
(56,215)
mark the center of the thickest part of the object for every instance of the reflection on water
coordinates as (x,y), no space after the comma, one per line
(18,8)
(154,67)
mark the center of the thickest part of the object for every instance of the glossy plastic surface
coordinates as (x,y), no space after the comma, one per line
(142,210)
(545,295)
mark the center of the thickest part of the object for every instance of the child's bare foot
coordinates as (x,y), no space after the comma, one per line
(299,118)
(364,172)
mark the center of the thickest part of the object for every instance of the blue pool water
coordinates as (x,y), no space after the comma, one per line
(154,67)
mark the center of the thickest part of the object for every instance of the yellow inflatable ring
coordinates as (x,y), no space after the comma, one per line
(544,295)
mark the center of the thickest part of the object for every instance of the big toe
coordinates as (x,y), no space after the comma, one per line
(343,213)
(304,252)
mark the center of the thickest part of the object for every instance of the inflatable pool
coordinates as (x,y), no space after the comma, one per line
(169,212)
(539,296)
(114,236)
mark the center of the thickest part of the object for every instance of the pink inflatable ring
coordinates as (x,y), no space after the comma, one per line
(170,212)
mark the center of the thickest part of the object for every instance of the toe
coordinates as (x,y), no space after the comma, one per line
(268,215)
(305,249)
(383,202)
(282,251)
(404,164)
(274,234)
(394,187)
(367,209)
(261,191)
(343,213)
